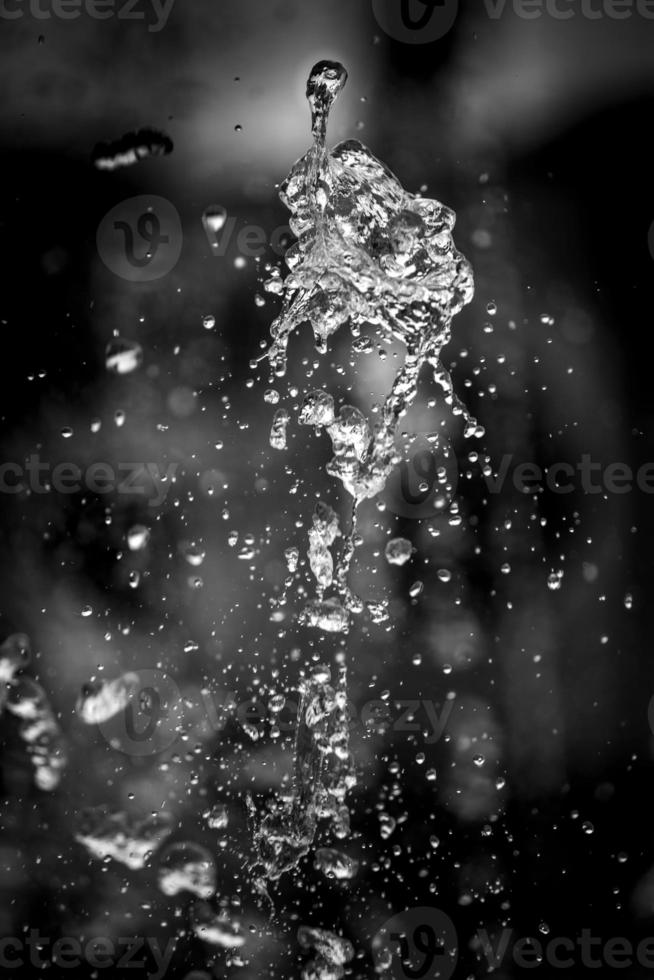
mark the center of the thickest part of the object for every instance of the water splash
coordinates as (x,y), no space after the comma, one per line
(101,700)
(332,953)
(369,255)
(323,773)
(128,840)
(186,867)
(26,699)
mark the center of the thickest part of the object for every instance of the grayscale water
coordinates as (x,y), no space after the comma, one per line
(380,262)
(369,257)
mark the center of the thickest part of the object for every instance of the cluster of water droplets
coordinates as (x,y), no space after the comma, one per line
(368,255)
(371,256)
(101,700)
(331,953)
(24,697)
(183,868)
(114,834)
(323,773)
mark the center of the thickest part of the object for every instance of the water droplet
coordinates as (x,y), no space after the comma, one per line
(398,551)
(186,867)
(213,220)
(123,356)
(138,537)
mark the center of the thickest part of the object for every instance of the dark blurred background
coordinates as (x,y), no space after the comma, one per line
(536,131)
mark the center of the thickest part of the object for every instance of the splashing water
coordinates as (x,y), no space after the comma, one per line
(332,953)
(369,254)
(187,867)
(131,841)
(323,772)
(101,700)
(25,698)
